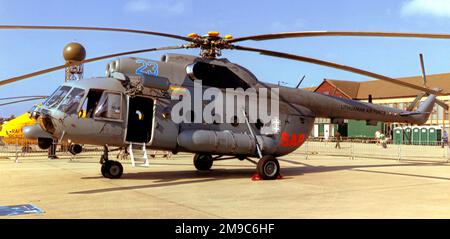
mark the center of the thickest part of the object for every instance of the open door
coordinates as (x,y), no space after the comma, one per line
(140,119)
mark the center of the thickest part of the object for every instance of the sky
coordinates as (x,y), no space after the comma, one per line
(25,51)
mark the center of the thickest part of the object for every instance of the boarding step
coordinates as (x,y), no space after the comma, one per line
(138,155)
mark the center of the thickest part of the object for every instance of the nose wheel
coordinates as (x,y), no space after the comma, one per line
(110,169)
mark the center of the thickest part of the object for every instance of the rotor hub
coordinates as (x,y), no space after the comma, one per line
(210,45)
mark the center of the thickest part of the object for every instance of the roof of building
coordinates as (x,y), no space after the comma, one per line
(380,89)
(310,88)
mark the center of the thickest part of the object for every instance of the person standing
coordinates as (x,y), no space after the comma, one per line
(337,135)
(444,139)
(383,140)
(377,137)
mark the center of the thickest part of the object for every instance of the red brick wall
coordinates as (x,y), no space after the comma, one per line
(327,88)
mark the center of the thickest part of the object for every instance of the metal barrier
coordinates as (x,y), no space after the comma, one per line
(23,148)
(310,149)
(375,149)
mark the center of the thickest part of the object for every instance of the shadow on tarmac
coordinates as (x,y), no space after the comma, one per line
(175,178)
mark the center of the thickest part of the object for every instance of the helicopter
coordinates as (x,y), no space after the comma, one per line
(17,130)
(142,101)
(24,131)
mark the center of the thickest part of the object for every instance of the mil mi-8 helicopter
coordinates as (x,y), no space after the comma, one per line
(133,103)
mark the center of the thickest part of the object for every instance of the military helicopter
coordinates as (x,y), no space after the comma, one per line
(134,103)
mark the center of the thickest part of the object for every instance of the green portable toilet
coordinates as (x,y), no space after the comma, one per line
(423,136)
(415,136)
(398,136)
(321,130)
(434,135)
(439,135)
(407,135)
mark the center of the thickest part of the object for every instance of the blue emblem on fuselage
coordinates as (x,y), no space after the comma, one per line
(147,68)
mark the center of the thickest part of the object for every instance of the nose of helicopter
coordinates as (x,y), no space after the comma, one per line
(45,122)
(34,132)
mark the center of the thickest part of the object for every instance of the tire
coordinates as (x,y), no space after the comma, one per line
(203,162)
(104,171)
(112,169)
(268,167)
(45,143)
(75,149)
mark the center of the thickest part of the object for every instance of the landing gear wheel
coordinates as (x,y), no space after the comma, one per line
(112,169)
(104,171)
(268,167)
(203,162)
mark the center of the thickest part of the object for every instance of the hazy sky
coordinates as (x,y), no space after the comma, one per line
(25,51)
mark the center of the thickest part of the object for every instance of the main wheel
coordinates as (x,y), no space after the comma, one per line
(203,162)
(112,169)
(268,167)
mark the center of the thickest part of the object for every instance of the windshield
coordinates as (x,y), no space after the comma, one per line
(57,97)
(71,103)
(48,98)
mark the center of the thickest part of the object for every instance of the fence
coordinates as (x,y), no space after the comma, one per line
(23,149)
(310,149)
(374,149)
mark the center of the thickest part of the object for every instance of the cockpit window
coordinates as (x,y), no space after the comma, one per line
(71,103)
(57,97)
(109,106)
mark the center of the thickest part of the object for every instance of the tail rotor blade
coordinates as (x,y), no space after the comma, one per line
(422,66)
(442,104)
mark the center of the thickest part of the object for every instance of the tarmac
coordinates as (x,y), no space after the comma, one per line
(318,187)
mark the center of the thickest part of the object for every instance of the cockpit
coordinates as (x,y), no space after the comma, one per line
(96,103)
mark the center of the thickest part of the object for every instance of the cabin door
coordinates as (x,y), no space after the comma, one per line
(140,119)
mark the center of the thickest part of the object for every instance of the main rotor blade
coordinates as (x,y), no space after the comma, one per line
(48,70)
(21,97)
(282,35)
(95,29)
(336,66)
(19,101)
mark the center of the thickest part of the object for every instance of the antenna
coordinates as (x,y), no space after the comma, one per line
(299,83)
(282,82)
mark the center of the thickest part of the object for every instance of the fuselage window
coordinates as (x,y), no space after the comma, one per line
(90,103)
(109,106)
